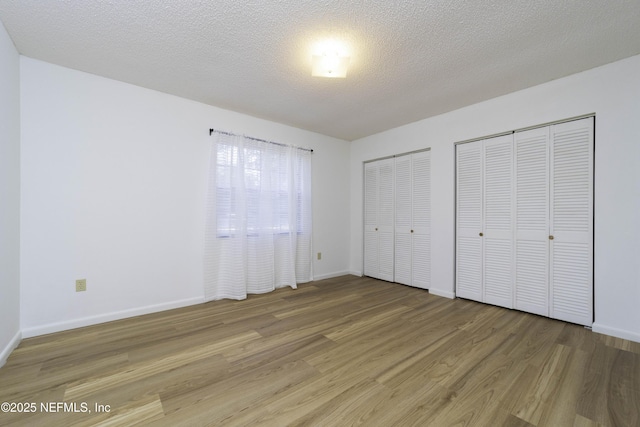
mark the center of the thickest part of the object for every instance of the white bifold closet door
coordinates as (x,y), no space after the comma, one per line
(379,219)
(413,219)
(498,221)
(554,237)
(571,224)
(532,221)
(525,221)
(469,179)
(484,249)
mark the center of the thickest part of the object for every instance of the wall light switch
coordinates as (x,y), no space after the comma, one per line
(81,285)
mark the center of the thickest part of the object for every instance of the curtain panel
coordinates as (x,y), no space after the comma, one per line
(258,217)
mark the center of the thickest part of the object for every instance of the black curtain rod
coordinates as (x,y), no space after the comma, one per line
(256,139)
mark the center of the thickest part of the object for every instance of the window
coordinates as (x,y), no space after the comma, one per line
(258,190)
(258,220)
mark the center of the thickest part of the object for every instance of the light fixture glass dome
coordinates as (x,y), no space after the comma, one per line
(329,64)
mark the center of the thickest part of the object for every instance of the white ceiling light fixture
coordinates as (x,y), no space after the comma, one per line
(330,64)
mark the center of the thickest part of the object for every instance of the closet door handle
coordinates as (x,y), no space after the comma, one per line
(412,231)
(376,228)
(550,237)
(481,234)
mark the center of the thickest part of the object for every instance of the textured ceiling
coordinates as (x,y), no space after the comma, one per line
(409,59)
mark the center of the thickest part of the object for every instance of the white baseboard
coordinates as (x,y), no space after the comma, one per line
(441,293)
(15,342)
(107,317)
(615,332)
(355,273)
(330,275)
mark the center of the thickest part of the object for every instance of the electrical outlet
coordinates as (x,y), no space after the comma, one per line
(81,285)
(319,256)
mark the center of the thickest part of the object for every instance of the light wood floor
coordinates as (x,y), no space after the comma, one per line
(337,352)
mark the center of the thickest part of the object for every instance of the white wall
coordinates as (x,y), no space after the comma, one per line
(613,93)
(9,196)
(113,186)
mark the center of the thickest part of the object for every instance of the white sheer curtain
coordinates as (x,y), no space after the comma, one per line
(258,224)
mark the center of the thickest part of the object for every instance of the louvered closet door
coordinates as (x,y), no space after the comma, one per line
(571,224)
(421,236)
(385,219)
(413,219)
(532,223)
(371,219)
(379,219)
(498,224)
(404,220)
(469,221)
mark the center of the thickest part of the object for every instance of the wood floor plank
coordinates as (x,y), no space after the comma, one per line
(354,406)
(562,408)
(619,343)
(356,328)
(219,403)
(416,362)
(581,421)
(133,414)
(291,350)
(578,337)
(609,394)
(196,375)
(513,421)
(535,339)
(137,371)
(544,388)
(342,351)
(306,397)
(416,402)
